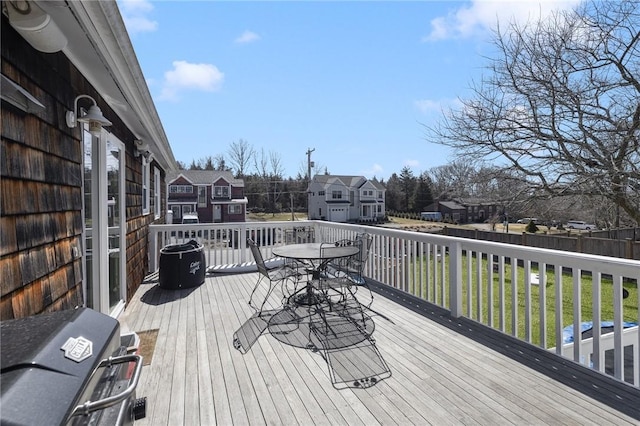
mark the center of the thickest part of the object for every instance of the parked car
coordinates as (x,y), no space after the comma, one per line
(190,218)
(580,224)
(526,220)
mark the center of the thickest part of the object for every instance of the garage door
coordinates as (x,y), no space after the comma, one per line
(338,214)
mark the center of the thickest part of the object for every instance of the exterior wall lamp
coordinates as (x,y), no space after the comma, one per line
(142,149)
(94,117)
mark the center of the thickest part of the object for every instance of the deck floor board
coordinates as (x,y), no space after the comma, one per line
(444,370)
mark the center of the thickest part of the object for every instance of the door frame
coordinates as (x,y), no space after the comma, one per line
(100,231)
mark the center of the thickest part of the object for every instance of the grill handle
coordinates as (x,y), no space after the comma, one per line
(90,406)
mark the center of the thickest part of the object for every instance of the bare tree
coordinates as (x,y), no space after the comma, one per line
(453,180)
(219,163)
(241,154)
(269,169)
(277,172)
(560,106)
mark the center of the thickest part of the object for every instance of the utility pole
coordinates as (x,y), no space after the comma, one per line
(309,165)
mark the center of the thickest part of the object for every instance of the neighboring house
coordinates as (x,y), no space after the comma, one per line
(215,195)
(77,200)
(465,211)
(346,199)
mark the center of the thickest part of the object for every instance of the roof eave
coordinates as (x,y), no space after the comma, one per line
(100,47)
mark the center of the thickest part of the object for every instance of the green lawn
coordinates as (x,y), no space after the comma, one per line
(629,304)
(272,217)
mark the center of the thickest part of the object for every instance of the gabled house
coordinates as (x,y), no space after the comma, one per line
(216,196)
(346,199)
(465,211)
(84,158)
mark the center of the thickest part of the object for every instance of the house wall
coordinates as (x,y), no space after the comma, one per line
(316,202)
(183,198)
(237,192)
(41,175)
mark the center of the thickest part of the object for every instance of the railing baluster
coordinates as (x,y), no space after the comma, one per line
(597,359)
(558,308)
(577,313)
(527,300)
(542,303)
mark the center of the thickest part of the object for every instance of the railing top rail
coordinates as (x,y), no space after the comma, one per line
(604,264)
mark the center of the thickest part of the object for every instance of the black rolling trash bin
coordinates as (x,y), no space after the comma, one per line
(182,265)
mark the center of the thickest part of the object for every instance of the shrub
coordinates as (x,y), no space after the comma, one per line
(531,228)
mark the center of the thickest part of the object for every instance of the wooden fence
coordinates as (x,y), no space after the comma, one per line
(627,248)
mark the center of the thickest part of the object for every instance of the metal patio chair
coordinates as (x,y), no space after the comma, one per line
(346,275)
(274,276)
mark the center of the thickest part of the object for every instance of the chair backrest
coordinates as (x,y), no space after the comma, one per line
(364,241)
(257,256)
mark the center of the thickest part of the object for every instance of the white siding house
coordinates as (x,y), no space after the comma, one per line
(346,199)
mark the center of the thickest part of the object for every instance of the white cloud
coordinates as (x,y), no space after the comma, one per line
(187,76)
(135,6)
(412,164)
(428,106)
(480,15)
(134,16)
(375,170)
(247,37)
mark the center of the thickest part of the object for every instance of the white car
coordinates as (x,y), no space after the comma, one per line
(580,224)
(190,218)
(526,220)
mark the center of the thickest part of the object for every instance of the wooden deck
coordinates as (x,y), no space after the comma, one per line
(444,370)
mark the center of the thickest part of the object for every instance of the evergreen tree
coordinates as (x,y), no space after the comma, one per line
(423,195)
(408,183)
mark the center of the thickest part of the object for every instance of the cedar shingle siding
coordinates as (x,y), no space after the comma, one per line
(41,175)
(41,172)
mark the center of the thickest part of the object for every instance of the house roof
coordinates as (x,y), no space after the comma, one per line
(99,46)
(347,180)
(204,177)
(475,202)
(452,205)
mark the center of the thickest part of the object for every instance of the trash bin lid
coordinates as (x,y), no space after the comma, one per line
(181,248)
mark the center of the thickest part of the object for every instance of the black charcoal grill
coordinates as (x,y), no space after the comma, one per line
(68,368)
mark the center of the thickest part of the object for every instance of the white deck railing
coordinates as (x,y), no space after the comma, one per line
(455,273)
(607,351)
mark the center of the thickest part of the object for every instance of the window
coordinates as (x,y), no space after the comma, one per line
(235,209)
(156,193)
(321,193)
(146,182)
(181,189)
(221,191)
(380,195)
(202,196)
(367,193)
(336,195)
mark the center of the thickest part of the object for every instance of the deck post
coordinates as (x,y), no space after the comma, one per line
(455,279)
(153,250)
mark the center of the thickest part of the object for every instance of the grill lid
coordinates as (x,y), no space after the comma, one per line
(47,361)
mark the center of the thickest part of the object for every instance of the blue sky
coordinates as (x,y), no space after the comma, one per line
(356,81)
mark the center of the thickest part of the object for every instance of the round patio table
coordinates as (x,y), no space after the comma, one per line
(316,255)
